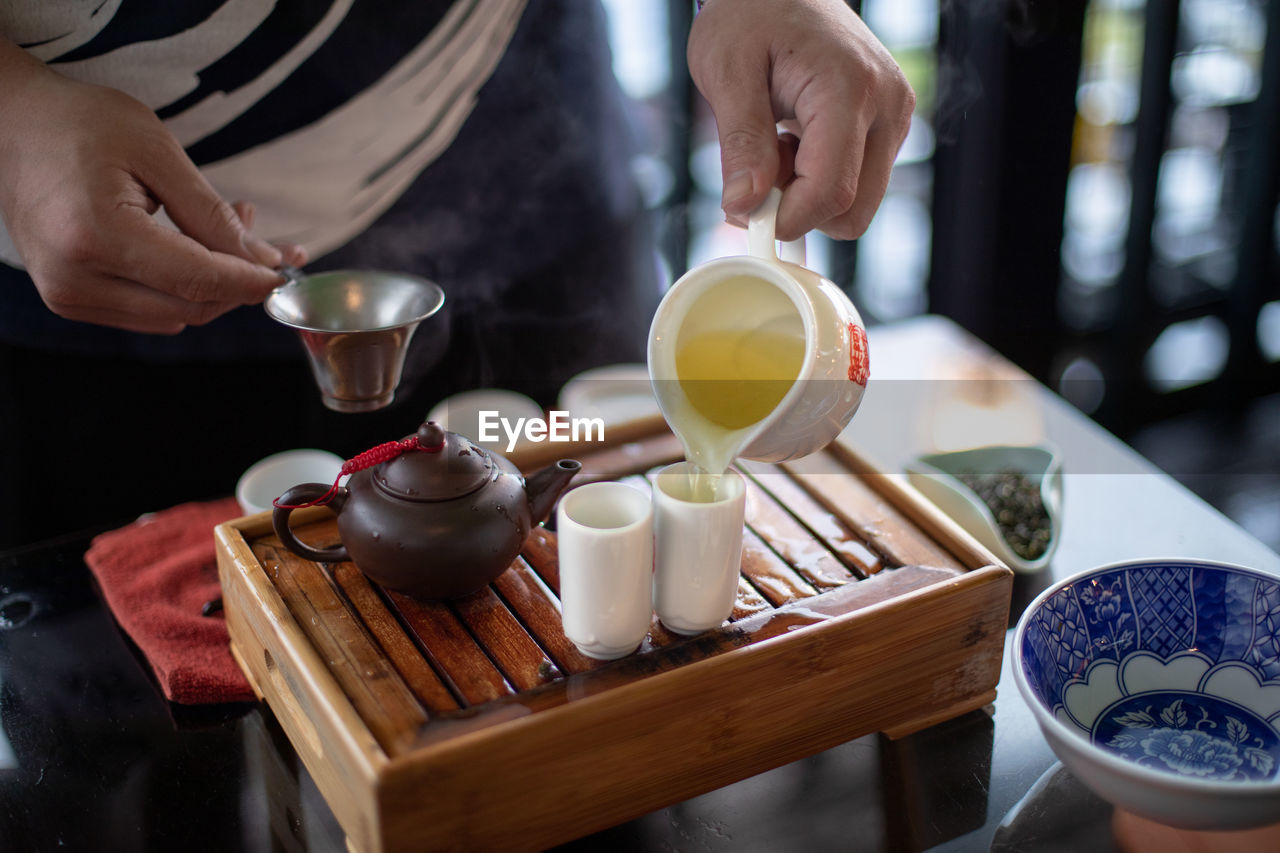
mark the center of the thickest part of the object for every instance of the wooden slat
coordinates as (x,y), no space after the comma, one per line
(749,601)
(366,676)
(451,649)
(825,525)
(768,573)
(793,542)
(934,524)
(507,643)
(865,511)
(528,597)
(404,655)
(883,586)
(541,554)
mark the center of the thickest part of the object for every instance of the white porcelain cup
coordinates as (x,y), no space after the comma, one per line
(605,535)
(698,550)
(765,293)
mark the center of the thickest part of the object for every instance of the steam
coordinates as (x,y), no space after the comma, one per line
(972,26)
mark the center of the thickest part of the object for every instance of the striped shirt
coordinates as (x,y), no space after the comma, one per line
(214,71)
(481,143)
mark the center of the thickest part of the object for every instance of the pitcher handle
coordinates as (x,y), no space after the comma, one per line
(761,228)
(301,495)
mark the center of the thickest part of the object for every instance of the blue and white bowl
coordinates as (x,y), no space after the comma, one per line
(1157,684)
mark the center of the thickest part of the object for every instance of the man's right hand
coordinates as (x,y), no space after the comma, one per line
(83,170)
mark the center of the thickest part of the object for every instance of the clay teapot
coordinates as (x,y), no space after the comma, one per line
(439,519)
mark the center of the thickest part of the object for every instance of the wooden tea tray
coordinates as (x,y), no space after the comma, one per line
(477,725)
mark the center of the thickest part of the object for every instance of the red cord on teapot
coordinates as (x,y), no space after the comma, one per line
(383,452)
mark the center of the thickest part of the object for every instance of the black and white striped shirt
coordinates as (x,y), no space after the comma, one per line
(482,143)
(321,112)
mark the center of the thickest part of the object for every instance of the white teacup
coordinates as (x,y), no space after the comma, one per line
(605,534)
(763,293)
(699,550)
(271,477)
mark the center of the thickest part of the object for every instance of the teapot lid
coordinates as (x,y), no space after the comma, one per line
(443,466)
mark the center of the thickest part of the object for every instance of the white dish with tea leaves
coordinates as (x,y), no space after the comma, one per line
(952,480)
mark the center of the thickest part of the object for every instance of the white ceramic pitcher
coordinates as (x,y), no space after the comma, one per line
(762,291)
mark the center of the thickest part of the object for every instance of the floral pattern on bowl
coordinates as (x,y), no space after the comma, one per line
(1158,684)
(1175,733)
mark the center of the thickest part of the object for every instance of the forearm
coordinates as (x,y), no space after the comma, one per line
(16,65)
(19,72)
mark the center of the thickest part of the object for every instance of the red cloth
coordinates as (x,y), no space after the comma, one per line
(156,575)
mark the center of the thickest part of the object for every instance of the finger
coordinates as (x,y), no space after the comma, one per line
(873,183)
(173,263)
(122,304)
(828,163)
(197,209)
(787,145)
(739,98)
(245,212)
(293,254)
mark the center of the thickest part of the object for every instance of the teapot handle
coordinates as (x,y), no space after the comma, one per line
(761,242)
(303,494)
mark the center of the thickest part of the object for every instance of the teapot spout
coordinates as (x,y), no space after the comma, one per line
(546,485)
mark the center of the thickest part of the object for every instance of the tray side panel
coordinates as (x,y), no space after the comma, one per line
(548,777)
(338,750)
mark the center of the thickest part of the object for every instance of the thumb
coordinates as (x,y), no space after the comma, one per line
(201,214)
(748,145)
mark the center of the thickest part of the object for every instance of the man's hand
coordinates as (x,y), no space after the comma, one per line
(83,170)
(813,67)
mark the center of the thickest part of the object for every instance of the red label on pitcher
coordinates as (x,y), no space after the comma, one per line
(859,357)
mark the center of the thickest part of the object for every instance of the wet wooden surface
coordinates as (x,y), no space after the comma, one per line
(865,512)
(857,611)
(452,650)
(817,543)
(365,673)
